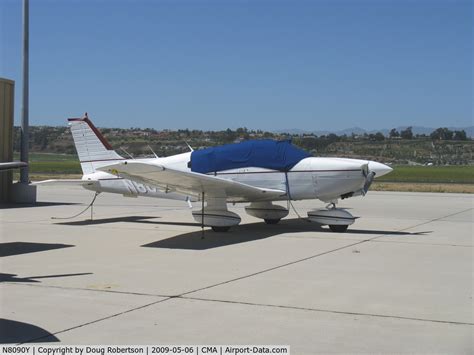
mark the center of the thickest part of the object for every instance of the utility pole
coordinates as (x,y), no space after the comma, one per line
(24,172)
(22,191)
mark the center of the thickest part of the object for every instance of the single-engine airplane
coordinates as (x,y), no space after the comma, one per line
(255,171)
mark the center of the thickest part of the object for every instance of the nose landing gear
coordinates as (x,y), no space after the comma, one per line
(337,219)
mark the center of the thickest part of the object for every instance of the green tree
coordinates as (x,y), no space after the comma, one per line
(379,136)
(460,135)
(442,133)
(407,133)
(394,133)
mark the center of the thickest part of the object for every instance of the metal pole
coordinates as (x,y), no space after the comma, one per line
(24,178)
(202,216)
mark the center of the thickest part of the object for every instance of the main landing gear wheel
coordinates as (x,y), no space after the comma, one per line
(339,228)
(220,229)
(272,221)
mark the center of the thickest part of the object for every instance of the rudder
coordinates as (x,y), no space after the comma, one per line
(92,148)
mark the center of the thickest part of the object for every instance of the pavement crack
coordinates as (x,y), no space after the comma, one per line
(90,289)
(309,309)
(96,321)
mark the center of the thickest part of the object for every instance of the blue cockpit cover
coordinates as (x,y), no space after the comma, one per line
(269,154)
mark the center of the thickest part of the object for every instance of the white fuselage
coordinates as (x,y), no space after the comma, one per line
(326,179)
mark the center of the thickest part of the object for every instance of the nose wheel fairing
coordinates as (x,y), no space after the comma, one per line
(337,219)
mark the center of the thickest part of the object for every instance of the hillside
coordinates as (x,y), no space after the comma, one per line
(137,142)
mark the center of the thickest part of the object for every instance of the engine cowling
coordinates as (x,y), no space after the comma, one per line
(266,210)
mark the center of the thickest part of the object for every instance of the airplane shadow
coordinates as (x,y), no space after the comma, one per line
(34,279)
(239,234)
(18,332)
(17,248)
(131,219)
(252,232)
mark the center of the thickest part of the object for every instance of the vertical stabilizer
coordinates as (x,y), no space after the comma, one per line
(92,148)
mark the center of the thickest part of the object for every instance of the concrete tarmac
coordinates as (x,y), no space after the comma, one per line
(400,280)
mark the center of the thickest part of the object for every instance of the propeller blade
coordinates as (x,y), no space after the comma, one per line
(368,181)
(365,169)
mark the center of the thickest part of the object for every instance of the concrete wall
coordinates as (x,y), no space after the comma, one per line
(7,89)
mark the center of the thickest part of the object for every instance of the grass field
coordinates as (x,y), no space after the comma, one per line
(55,167)
(51,165)
(430,174)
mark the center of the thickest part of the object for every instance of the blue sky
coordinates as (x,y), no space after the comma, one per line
(312,65)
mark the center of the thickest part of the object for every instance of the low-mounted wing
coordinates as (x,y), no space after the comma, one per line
(190,183)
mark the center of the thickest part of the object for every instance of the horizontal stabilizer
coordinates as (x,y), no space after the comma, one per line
(64,182)
(12,165)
